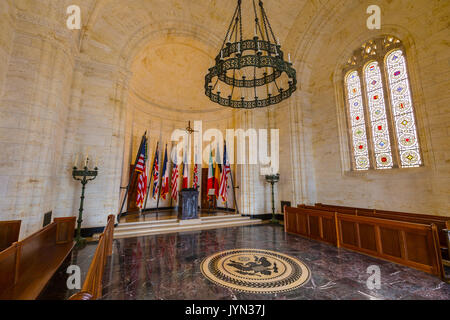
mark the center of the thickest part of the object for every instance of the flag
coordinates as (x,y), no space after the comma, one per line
(223,189)
(195,180)
(210,174)
(165,178)
(142,156)
(142,179)
(217,173)
(185,173)
(156,173)
(175,179)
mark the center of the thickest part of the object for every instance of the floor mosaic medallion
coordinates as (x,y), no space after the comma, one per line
(255,271)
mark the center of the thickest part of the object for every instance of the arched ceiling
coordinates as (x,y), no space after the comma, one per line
(168,45)
(169,74)
(112,23)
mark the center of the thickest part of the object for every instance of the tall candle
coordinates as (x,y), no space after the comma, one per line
(289,57)
(76,160)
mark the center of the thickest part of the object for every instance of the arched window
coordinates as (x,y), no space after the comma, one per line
(380,109)
(357,119)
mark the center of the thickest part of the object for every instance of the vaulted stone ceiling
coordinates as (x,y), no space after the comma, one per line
(169,45)
(113,23)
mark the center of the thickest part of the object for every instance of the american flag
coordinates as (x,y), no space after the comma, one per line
(223,189)
(165,178)
(142,180)
(185,172)
(174,180)
(156,174)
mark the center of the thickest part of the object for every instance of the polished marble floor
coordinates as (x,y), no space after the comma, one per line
(168,267)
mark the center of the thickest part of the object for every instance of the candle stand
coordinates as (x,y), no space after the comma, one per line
(84,176)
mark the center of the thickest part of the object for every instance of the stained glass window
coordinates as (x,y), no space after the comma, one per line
(378,119)
(383,129)
(357,119)
(402,109)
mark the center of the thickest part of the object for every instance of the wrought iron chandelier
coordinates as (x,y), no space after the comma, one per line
(252,72)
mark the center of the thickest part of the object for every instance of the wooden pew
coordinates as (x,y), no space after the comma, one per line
(411,244)
(440,221)
(92,286)
(9,233)
(312,223)
(27,265)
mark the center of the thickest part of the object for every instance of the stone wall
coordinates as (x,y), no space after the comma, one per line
(34,100)
(97,90)
(423,28)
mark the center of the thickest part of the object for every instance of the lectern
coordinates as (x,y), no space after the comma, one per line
(188,208)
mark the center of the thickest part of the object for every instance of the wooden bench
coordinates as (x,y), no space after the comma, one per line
(312,223)
(27,266)
(9,233)
(411,244)
(93,285)
(442,223)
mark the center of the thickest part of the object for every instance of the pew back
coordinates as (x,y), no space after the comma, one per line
(411,244)
(440,221)
(35,260)
(9,233)
(8,266)
(315,224)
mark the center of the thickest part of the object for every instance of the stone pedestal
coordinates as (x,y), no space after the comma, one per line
(188,206)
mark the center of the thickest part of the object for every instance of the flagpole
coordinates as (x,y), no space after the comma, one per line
(153,171)
(160,185)
(132,176)
(234,193)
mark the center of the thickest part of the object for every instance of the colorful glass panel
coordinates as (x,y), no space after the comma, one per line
(356,114)
(402,110)
(378,120)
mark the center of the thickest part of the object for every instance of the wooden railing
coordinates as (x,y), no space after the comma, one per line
(93,286)
(26,266)
(411,244)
